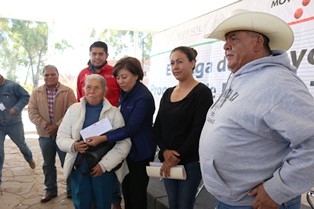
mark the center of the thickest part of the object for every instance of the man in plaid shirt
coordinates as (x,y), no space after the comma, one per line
(47,106)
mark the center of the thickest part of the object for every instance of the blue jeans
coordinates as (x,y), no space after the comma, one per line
(294,203)
(117,197)
(49,149)
(92,192)
(16,133)
(181,193)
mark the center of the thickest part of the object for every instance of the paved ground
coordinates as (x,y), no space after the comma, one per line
(23,187)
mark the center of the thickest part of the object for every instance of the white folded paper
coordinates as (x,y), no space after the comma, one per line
(177,172)
(96,129)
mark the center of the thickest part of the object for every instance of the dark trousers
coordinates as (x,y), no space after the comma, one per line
(134,185)
(49,149)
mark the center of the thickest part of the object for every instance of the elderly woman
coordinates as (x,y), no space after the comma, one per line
(137,107)
(95,188)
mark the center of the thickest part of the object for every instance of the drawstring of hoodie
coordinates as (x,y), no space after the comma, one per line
(225,93)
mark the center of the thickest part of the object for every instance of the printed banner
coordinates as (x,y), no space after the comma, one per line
(211,67)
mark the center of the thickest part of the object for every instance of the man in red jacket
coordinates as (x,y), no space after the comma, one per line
(98,53)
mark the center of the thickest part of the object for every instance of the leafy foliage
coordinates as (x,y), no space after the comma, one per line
(23,47)
(124,42)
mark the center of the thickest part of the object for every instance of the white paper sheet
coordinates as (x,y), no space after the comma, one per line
(177,172)
(2,107)
(96,129)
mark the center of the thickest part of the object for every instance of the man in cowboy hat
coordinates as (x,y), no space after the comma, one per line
(257,142)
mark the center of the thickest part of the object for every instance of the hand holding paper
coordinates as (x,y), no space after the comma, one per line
(96,129)
(177,172)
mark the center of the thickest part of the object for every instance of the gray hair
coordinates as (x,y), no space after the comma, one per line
(51,66)
(265,38)
(96,77)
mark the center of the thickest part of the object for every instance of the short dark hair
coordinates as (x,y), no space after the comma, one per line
(131,64)
(99,44)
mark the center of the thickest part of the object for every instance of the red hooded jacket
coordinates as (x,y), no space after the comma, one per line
(113,90)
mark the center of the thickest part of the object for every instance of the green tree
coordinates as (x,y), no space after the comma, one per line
(121,42)
(146,45)
(23,46)
(9,53)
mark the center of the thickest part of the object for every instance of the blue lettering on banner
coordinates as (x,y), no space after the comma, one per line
(222,66)
(202,68)
(157,90)
(168,70)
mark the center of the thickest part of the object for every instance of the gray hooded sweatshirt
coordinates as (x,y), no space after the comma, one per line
(260,131)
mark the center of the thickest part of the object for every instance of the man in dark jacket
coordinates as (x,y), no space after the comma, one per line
(13,98)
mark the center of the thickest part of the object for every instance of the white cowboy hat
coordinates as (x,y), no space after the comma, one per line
(279,32)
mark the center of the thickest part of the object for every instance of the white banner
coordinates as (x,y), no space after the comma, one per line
(211,67)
